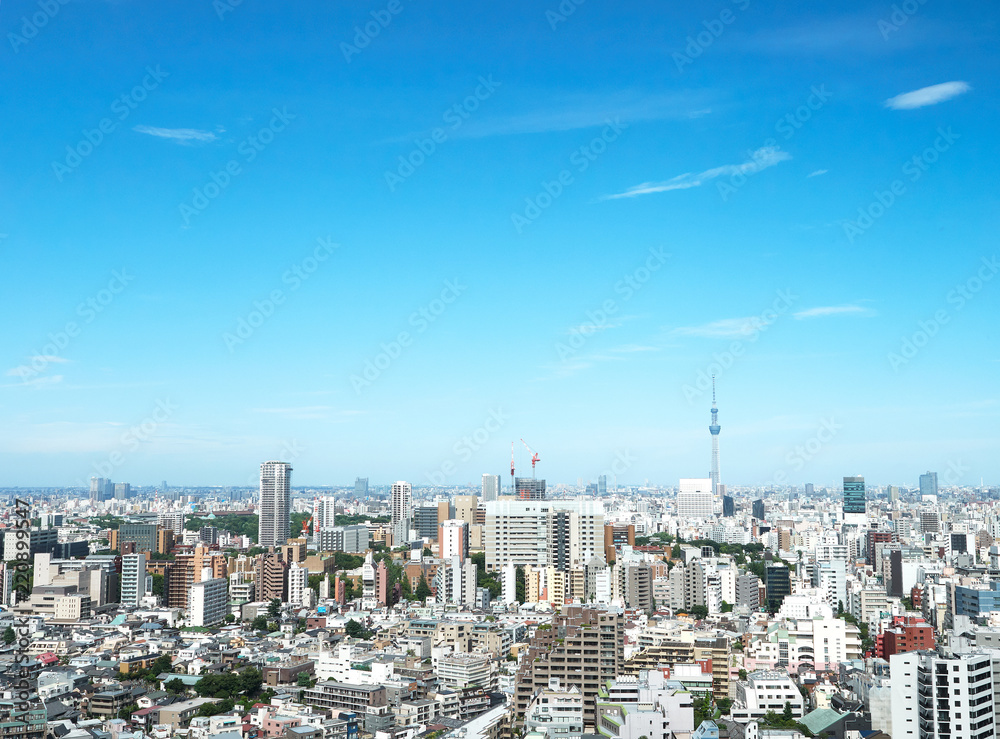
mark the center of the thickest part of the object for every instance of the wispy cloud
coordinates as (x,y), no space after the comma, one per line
(180,135)
(833,310)
(36,382)
(24,370)
(767,156)
(725,328)
(308,412)
(817,173)
(633,348)
(927,95)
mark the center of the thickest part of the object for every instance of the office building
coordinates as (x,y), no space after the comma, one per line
(777,584)
(275,503)
(123,491)
(929,485)
(694,501)
(143,535)
(207,602)
(133,580)
(361,488)
(101,489)
(617,535)
(351,539)
(855,508)
(728,506)
(758,509)
(400,506)
(602,485)
(748,591)
(810,490)
(528,488)
(465,508)
(491,487)
(425,521)
(172,520)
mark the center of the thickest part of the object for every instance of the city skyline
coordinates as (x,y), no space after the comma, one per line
(406,255)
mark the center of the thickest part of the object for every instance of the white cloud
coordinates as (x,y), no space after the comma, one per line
(833,310)
(767,156)
(927,95)
(725,328)
(818,172)
(181,135)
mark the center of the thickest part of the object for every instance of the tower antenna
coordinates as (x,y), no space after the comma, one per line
(714,429)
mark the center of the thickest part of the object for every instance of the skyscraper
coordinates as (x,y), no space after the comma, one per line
(714,429)
(728,506)
(928,484)
(400,507)
(361,487)
(855,510)
(602,485)
(491,487)
(757,509)
(133,579)
(275,503)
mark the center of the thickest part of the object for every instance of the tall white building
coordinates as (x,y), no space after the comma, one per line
(401,507)
(453,539)
(563,533)
(491,487)
(323,515)
(455,581)
(207,602)
(937,697)
(133,579)
(275,503)
(695,499)
(298,584)
(173,520)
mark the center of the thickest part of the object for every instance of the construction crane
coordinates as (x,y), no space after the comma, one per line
(512,468)
(534,457)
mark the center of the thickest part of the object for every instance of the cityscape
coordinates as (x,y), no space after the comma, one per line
(522,370)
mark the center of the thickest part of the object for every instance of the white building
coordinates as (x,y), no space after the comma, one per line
(275,502)
(491,487)
(535,532)
(298,585)
(647,705)
(509,581)
(763,691)
(695,499)
(455,581)
(401,509)
(453,539)
(133,579)
(558,714)
(323,513)
(464,670)
(937,697)
(207,602)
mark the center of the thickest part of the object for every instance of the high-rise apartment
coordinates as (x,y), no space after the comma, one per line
(361,487)
(275,503)
(929,484)
(534,533)
(453,540)
(400,506)
(491,487)
(133,582)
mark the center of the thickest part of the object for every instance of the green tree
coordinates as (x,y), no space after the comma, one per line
(303,680)
(787,712)
(699,611)
(423,589)
(675,552)
(274,608)
(355,630)
(259,623)
(175,686)
(9,636)
(127,711)
(250,680)
(743,674)
(230,618)
(158,585)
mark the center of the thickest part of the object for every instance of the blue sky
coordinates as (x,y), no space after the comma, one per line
(732,184)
